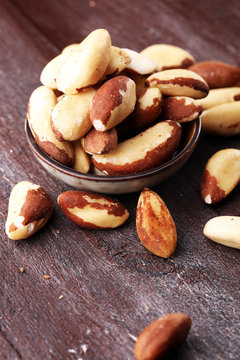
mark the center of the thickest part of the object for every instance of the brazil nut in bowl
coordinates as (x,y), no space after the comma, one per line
(120,184)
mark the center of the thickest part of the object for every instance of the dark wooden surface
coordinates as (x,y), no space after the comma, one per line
(111,286)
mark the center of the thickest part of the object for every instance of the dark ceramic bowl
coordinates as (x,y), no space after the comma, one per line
(124,183)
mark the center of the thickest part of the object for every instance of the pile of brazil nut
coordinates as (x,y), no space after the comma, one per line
(115,111)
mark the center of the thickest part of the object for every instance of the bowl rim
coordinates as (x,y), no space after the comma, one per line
(102,178)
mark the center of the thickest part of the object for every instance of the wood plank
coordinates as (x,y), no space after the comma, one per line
(111,286)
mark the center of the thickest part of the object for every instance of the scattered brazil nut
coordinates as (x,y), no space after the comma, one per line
(169,56)
(222,120)
(147,110)
(221,175)
(40,107)
(220,96)
(181,108)
(85,65)
(94,211)
(155,226)
(217,74)
(100,142)
(162,336)
(113,102)
(70,118)
(179,82)
(224,230)
(29,209)
(145,151)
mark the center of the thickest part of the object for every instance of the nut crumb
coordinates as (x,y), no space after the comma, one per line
(47,277)
(58,231)
(22,269)
(52,256)
(60,297)
(92,4)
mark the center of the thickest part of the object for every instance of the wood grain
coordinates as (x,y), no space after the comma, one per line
(112,287)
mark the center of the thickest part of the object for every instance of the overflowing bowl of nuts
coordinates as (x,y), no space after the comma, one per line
(113,120)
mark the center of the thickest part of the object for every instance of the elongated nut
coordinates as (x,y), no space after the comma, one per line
(221,175)
(217,73)
(119,60)
(169,56)
(40,107)
(147,110)
(222,120)
(162,336)
(220,96)
(49,74)
(224,230)
(140,64)
(86,65)
(113,102)
(30,207)
(100,142)
(179,82)
(91,210)
(145,151)
(155,226)
(181,108)
(70,119)
(82,162)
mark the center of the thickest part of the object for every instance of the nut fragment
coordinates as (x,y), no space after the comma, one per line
(179,82)
(100,142)
(147,110)
(30,207)
(221,175)
(155,226)
(82,161)
(217,73)
(70,119)
(224,230)
(140,64)
(119,60)
(85,65)
(91,210)
(145,151)
(220,96)
(222,120)
(181,108)
(113,102)
(162,336)
(169,56)
(40,107)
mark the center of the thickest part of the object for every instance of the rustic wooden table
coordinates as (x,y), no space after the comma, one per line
(111,286)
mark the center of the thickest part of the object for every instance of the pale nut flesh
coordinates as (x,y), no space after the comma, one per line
(119,60)
(86,65)
(220,96)
(113,102)
(94,211)
(222,120)
(145,151)
(181,108)
(139,63)
(155,226)
(169,56)
(29,209)
(82,162)
(224,230)
(162,336)
(179,82)
(221,175)
(70,118)
(49,74)
(40,107)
